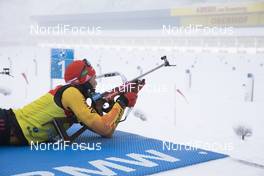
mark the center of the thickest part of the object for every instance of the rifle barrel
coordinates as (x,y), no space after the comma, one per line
(148,72)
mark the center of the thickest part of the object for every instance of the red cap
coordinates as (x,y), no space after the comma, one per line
(78,72)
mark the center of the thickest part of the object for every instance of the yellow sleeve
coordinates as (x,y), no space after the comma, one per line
(73,100)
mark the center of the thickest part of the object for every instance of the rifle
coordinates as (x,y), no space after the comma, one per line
(100,99)
(103,103)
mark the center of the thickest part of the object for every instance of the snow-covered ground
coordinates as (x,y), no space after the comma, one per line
(212,107)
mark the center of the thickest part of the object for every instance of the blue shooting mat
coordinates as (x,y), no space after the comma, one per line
(123,154)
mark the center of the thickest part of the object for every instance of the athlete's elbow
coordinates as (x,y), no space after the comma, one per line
(103,129)
(107,133)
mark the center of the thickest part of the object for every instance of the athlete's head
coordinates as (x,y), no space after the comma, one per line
(80,72)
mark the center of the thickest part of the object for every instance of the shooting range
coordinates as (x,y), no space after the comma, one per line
(200,111)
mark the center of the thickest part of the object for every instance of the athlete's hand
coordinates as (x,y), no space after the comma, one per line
(128,99)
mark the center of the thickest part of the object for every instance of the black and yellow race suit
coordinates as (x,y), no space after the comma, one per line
(33,117)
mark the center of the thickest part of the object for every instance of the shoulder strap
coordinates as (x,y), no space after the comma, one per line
(58,95)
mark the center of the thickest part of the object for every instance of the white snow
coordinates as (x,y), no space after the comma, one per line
(216,168)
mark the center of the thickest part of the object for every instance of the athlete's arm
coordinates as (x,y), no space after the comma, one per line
(104,125)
